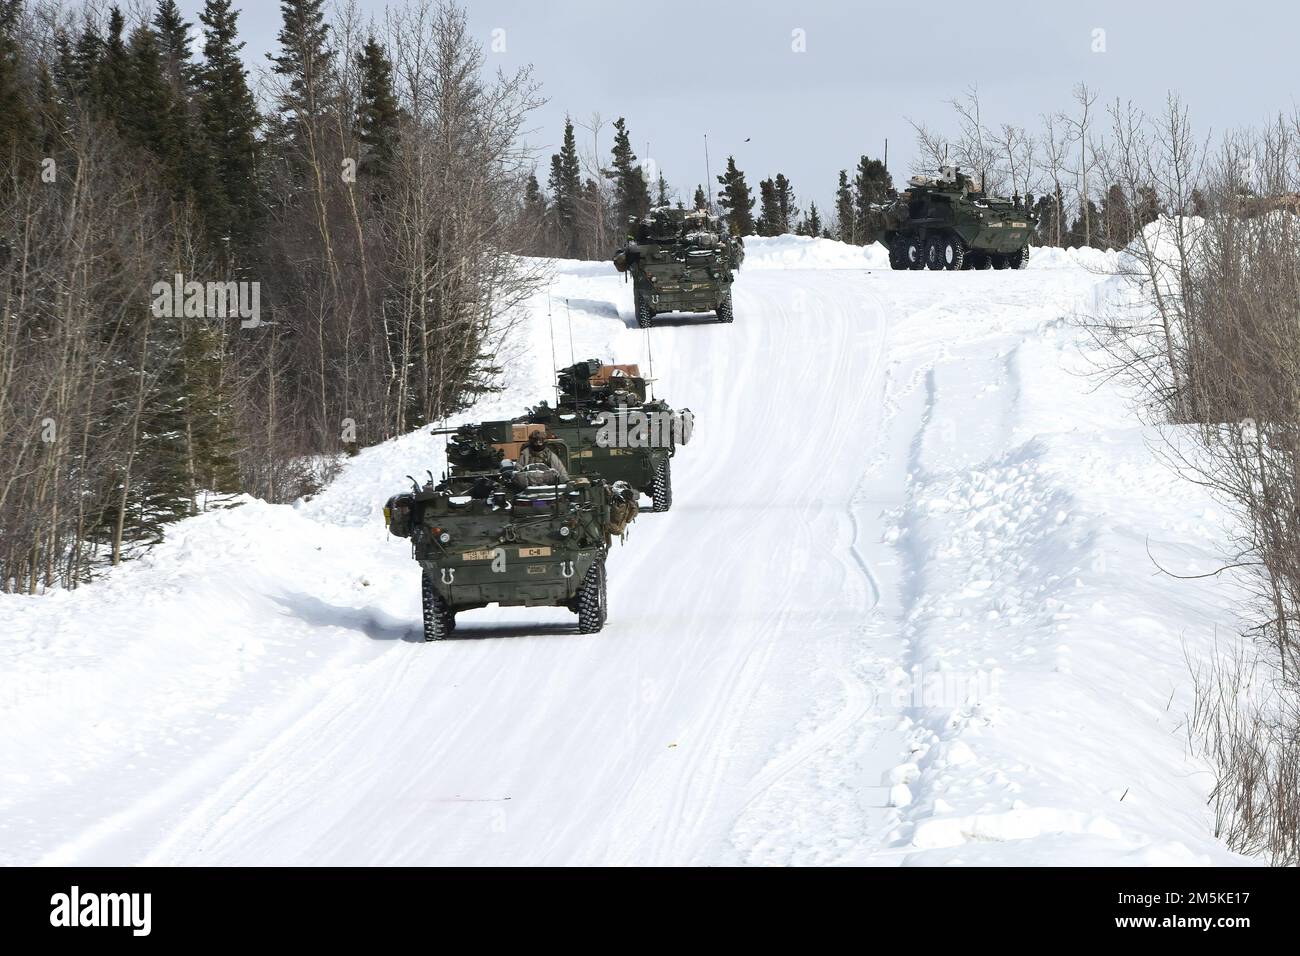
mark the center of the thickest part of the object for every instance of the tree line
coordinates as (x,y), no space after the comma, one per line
(341,250)
(584,208)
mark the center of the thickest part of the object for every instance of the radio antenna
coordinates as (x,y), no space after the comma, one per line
(708,173)
(573,358)
(555,366)
(650,359)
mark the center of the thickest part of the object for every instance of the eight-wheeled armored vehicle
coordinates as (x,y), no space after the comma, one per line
(950,223)
(680,261)
(484,536)
(613,430)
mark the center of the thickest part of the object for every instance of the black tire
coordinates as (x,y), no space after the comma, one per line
(592,598)
(978,260)
(914,250)
(933,261)
(998,259)
(661,487)
(898,254)
(946,251)
(644,314)
(724,310)
(439,619)
(1018,259)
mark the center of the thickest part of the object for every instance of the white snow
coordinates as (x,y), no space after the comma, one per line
(901,612)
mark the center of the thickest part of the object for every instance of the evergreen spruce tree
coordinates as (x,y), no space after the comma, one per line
(736,200)
(1200,205)
(812,223)
(84,72)
(768,214)
(210,415)
(1116,218)
(378,115)
(537,215)
(17,126)
(662,196)
(1079,234)
(51,115)
(846,221)
(701,201)
(228,120)
(785,207)
(565,184)
(113,72)
(146,101)
(305,61)
(631,193)
(1148,205)
(871,184)
(172,31)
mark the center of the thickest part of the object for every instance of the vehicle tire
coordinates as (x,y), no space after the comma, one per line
(934,253)
(978,260)
(592,598)
(644,314)
(898,254)
(1018,259)
(914,248)
(724,311)
(439,619)
(661,487)
(998,259)
(947,251)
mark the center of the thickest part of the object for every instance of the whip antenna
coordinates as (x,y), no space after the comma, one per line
(555,367)
(708,173)
(650,360)
(573,359)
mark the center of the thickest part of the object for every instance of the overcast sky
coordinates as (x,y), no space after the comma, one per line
(678,69)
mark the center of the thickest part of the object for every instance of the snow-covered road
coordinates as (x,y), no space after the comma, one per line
(900,613)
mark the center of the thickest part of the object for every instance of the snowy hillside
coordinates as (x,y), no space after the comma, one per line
(902,612)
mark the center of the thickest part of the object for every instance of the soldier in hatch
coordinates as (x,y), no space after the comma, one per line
(537,464)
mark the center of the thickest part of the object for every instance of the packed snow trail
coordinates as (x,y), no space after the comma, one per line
(882,487)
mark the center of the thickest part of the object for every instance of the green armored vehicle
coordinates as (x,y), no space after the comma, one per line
(949,223)
(612,430)
(680,261)
(490,534)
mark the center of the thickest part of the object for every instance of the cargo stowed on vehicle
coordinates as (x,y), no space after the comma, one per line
(487,534)
(680,261)
(612,429)
(949,223)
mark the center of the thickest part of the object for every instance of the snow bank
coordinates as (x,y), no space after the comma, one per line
(808,252)
(1094,260)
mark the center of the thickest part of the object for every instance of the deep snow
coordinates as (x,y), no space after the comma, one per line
(902,612)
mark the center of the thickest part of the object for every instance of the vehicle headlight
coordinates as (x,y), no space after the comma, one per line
(565,531)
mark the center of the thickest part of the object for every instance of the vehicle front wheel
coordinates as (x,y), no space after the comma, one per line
(439,618)
(998,259)
(1018,259)
(661,486)
(724,312)
(644,314)
(592,598)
